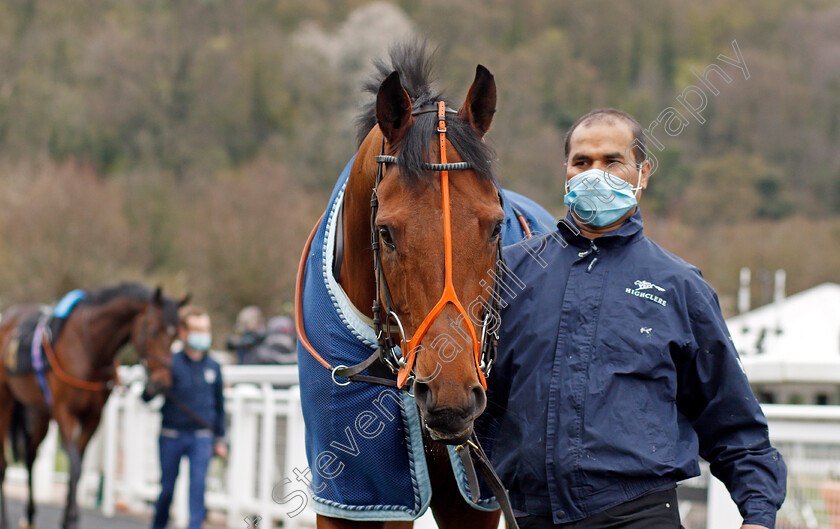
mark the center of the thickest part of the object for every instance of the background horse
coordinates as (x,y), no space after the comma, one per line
(407,218)
(81,374)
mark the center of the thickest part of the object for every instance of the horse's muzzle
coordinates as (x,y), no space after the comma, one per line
(457,439)
(449,422)
(448,425)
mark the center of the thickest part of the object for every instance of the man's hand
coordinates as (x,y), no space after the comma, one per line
(753,526)
(221,450)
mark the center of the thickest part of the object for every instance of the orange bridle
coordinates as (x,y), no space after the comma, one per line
(449,295)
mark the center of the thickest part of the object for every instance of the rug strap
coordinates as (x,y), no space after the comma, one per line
(464,453)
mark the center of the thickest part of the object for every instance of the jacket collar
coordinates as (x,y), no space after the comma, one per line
(630,231)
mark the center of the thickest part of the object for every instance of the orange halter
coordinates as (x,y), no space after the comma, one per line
(410,349)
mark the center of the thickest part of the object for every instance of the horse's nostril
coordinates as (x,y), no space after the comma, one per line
(423,395)
(478,399)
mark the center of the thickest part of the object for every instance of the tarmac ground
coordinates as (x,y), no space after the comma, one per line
(49,517)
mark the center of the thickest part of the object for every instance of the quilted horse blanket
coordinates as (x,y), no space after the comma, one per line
(363,441)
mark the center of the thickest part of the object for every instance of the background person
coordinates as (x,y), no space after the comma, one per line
(250,333)
(193,417)
(272,343)
(615,365)
(279,345)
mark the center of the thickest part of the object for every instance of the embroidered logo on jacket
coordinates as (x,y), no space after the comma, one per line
(641,287)
(647,285)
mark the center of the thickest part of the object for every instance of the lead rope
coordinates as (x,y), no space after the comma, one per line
(472,456)
(191,413)
(299,329)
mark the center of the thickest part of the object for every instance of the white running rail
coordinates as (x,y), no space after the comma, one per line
(266,470)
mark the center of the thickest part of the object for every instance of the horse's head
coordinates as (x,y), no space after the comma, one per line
(154,329)
(438,236)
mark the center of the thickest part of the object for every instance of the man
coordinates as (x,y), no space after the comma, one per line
(193,417)
(615,365)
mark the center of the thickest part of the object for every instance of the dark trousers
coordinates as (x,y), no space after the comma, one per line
(199,449)
(657,510)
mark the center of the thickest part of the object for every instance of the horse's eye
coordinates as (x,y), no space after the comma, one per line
(497,230)
(387,239)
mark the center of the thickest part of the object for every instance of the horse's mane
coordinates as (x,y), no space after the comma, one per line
(414,63)
(134,292)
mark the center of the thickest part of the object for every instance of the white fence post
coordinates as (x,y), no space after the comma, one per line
(242,462)
(267,448)
(132,432)
(234,490)
(722,513)
(90,479)
(109,459)
(43,471)
(295,458)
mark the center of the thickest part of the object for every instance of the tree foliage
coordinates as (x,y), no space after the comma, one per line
(194,142)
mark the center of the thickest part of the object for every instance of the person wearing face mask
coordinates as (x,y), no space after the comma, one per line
(615,367)
(192,416)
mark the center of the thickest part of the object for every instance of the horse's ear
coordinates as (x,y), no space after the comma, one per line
(480,105)
(157,298)
(393,108)
(186,299)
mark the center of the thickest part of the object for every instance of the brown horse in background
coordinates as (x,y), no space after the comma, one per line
(81,374)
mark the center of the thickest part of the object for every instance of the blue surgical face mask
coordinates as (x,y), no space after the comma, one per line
(599,198)
(199,341)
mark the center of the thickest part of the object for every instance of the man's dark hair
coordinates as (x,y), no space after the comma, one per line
(609,115)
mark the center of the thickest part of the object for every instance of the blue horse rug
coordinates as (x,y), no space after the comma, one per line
(363,441)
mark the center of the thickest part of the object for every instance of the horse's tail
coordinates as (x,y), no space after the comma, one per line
(19,435)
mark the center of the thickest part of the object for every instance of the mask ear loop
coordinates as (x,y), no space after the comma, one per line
(622,182)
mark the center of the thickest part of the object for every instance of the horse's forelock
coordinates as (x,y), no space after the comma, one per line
(415,147)
(170,312)
(415,64)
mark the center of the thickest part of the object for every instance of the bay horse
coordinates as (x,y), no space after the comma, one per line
(414,247)
(81,374)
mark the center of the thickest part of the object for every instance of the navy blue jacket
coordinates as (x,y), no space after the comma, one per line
(615,369)
(198,385)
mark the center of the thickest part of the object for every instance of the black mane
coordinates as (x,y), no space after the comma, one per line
(134,292)
(413,63)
